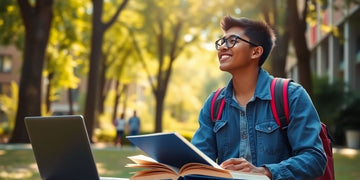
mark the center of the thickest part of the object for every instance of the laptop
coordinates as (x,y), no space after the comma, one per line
(62,148)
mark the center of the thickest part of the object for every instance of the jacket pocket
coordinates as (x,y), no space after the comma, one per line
(219,125)
(270,138)
(267,127)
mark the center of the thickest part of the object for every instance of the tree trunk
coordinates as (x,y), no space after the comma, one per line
(102,84)
(92,101)
(124,92)
(71,101)
(117,96)
(47,96)
(297,32)
(164,75)
(37,23)
(280,51)
(98,30)
(159,109)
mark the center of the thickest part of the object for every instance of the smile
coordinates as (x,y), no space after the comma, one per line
(224,56)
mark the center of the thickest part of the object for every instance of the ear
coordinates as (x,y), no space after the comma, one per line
(257,52)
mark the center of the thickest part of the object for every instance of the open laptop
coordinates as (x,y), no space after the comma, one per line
(62,148)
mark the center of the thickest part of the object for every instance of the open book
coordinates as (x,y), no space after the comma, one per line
(173,157)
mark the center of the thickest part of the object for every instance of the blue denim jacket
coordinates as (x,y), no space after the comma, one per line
(296,153)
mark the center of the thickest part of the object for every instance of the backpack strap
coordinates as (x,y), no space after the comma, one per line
(217,105)
(279,101)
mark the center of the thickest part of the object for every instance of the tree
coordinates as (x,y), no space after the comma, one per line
(11,25)
(276,14)
(37,18)
(170,27)
(116,65)
(297,33)
(98,30)
(66,51)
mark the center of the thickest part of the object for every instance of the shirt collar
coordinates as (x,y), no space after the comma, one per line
(262,90)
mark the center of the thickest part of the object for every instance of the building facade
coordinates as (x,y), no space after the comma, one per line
(334,42)
(10,64)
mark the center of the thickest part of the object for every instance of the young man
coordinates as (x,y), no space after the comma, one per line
(134,124)
(247,138)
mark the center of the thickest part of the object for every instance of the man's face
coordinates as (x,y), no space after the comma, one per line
(237,57)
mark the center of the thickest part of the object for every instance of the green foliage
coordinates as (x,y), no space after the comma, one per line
(8,105)
(350,114)
(328,99)
(337,108)
(67,46)
(11,27)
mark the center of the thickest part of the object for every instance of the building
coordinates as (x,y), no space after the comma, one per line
(10,64)
(336,55)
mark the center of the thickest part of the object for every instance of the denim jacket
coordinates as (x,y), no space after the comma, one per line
(294,153)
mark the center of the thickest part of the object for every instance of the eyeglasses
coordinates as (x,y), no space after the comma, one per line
(230,41)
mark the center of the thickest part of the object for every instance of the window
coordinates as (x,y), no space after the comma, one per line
(5,63)
(5,88)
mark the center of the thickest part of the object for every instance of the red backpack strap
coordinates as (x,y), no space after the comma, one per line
(280,109)
(217,105)
(279,101)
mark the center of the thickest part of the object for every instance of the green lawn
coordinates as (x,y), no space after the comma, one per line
(20,163)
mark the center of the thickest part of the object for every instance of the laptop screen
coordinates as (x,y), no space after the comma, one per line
(61,147)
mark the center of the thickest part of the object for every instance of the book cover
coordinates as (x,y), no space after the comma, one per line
(167,148)
(174,157)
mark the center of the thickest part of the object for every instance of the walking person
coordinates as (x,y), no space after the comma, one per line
(119,124)
(246,138)
(134,124)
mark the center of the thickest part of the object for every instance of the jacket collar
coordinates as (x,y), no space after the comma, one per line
(264,80)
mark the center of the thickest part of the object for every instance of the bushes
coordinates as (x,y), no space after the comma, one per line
(328,99)
(337,108)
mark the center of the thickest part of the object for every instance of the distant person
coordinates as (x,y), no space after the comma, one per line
(120,128)
(134,124)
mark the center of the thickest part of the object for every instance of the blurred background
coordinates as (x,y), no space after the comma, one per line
(101,58)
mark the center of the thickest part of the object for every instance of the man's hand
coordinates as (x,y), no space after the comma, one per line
(242,165)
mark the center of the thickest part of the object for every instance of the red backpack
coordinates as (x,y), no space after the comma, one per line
(280,110)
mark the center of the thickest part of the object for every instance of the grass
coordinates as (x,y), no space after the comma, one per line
(347,164)
(20,163)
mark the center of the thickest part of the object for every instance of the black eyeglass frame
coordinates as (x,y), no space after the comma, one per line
(225,40)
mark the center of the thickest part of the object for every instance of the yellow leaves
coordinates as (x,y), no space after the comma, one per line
(330,29)
(10,8)
(311,6)
(8,104)
(61,65)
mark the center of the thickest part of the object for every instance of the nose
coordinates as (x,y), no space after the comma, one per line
(223,47)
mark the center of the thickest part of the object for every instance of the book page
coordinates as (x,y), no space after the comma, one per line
(203,169)
(244,175)
(154,174)
(147,162)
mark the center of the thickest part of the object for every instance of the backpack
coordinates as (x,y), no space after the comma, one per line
(280,111)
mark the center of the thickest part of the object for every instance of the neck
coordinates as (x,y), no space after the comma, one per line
(244,84)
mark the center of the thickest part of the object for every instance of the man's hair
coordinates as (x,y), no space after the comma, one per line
(260,33)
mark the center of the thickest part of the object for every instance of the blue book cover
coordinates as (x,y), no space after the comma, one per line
(174,157)
(171,149)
